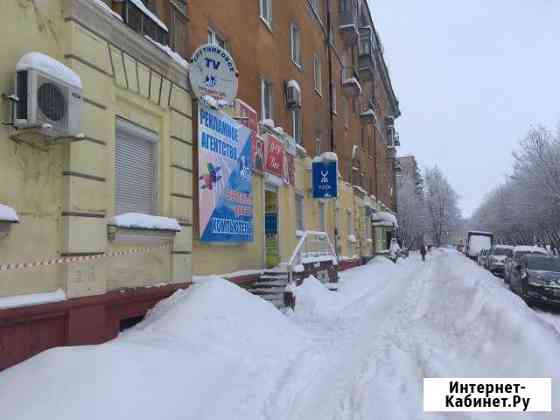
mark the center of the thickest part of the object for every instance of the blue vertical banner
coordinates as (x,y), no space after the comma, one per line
(325,183)
(225,183)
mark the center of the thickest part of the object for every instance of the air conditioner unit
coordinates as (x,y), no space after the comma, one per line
(49,96)
(293,95)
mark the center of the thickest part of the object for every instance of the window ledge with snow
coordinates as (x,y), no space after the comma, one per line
(138,227)
(8,217)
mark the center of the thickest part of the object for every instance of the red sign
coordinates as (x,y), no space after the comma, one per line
(248,117)
(274,156)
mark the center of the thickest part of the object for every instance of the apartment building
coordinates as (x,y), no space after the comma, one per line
(332,51)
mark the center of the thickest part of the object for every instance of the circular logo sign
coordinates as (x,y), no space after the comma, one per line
(213,73)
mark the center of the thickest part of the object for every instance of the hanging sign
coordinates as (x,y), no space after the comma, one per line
(225,183)
(274,156)
(213,73)
(325,179)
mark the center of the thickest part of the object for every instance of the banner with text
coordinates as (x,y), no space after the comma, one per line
(225,154)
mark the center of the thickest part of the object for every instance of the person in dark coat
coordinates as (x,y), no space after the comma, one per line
(423,252)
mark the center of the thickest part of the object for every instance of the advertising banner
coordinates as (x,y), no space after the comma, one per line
(325,179)
(248,117)
(225,181)
(274,156)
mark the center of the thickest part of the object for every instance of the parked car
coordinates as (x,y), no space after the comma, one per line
(518,252)
(537,278)
(496,259)
(482,257)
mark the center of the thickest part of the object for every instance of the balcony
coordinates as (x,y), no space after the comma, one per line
(366,65)
(350,84)
(138,17)
(348,22)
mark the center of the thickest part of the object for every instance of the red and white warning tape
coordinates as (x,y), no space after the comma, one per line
(78,259)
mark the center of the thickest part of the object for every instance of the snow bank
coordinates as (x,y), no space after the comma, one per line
(8,214)
(31,299)
(145,221)
(49,66)
(210,352)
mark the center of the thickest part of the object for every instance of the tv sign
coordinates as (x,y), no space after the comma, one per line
(325,183)
(213,73)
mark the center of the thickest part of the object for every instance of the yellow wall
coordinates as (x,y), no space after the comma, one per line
(68,214)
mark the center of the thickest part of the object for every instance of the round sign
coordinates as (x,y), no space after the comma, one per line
(213,73)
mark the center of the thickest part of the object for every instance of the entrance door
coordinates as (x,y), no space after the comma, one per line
(272,242)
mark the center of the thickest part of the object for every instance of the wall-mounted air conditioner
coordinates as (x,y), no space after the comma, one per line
(293,95)
(49,96)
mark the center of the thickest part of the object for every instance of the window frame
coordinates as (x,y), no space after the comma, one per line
(297,131)
(317,75)
(267,85)
(295,47)
(215,38)
(177,13)
(266,13)
(299,202)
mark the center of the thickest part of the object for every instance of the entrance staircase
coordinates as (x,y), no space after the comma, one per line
(271,286)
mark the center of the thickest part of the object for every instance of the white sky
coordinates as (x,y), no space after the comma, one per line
(471,78)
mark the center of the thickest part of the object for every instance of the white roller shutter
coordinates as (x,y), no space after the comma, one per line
(135,169)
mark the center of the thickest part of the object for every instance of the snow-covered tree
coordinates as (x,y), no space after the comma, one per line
(443,213)
(411,208)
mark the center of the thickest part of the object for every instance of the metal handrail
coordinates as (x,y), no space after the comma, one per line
(299,252)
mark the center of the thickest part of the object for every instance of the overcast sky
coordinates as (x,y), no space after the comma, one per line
(471,78)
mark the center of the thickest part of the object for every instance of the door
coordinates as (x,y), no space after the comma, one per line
(272,242)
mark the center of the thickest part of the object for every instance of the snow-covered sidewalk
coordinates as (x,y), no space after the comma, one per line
(216,352)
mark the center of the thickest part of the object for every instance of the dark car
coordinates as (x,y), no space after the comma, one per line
(518,253)
(496,259)
(537,278)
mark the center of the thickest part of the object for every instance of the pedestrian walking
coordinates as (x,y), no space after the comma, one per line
(423,252)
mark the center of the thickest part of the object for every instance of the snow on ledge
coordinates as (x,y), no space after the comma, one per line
(173,54)
(326,157)
(18,301)
(145,221)
(49,66)
(8,214)
(383,217)
(352,239)
(101,4)
(147,12)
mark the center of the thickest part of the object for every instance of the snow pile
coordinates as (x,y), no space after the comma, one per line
(103,6)
(530,248)
(314,299)
(211,352)
(31,299)
(49,66)
(173,54)
(145,221)
(8,214)
(383,218)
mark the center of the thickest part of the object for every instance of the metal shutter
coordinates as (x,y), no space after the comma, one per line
(135,168)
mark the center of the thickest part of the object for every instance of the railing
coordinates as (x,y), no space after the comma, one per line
(312,247)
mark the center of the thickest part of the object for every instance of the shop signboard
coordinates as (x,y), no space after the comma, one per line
(324,175)
(213,73)
(274,156)
(225,181)
(249,118)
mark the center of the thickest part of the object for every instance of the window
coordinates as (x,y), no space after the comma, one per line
(295,44)
(266,100)
(322,221)
(142,20)
(266,12)
(317,73)
(178,38)
(318,146)
(297,126)
(135,169)
(345,5)
(300,202)
(214,38)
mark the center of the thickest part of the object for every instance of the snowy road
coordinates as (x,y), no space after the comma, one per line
(215,352)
